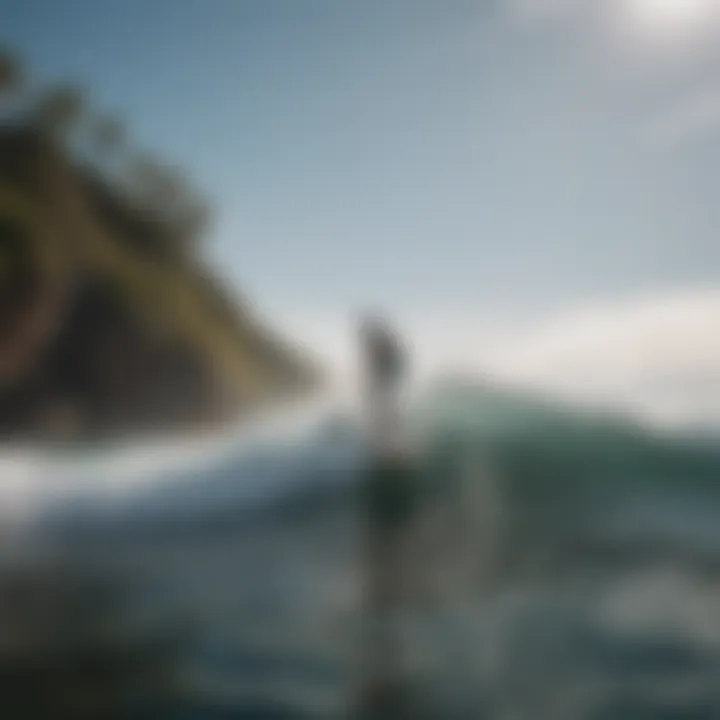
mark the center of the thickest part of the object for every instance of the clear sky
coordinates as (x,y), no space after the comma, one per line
(528,185)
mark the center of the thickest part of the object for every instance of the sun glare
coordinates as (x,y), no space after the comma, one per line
(672,15)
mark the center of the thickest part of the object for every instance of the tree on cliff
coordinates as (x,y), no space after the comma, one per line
(11,73)
(108,316)
(108,135)
(58,111)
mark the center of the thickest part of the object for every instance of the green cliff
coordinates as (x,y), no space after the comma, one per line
(109,324)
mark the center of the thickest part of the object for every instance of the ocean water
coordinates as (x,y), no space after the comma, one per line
(567,565)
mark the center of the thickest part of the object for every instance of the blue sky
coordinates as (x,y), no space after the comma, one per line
(477,167)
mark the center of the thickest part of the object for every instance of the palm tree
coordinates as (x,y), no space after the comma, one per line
(141,180)
(169,189)
(164,192)
(161,189)
(58,110)
(107,134)
(11,72)
(185,214)
(11,80)
(104,137)
(194,220)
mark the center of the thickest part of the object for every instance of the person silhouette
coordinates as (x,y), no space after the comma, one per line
(385,356)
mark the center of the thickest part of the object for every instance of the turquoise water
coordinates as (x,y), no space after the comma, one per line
(568,565)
